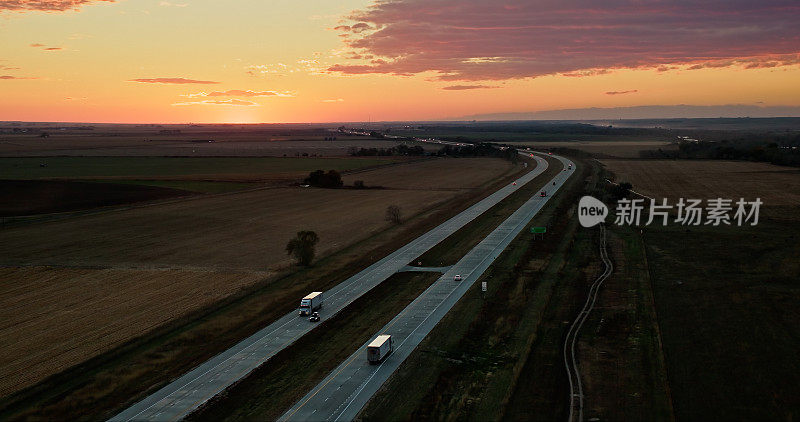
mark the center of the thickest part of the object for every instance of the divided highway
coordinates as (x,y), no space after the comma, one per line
(188,392)
(345,391)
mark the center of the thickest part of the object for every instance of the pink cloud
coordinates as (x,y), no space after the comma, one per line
(46,5)
(171,81)
(466,87)
(37,45)
(9,77)
(233,102)
(630,91)
(471,40)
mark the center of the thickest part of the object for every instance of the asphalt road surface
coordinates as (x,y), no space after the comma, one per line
(345,391)
(188,392)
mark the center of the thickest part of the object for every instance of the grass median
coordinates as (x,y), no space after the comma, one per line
(271,389)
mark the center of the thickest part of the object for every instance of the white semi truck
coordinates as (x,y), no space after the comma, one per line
(379,349)
(310,303)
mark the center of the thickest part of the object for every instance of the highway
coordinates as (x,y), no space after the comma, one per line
(188,392)
(342,394)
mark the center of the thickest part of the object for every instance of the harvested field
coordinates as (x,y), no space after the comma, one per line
(248,230)
(187,145)
(26,197)
(179,168)
(45,312)
(775,185)
(439,174)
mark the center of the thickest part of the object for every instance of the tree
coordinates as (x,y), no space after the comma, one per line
(318,178)
(302,247)
(393,214)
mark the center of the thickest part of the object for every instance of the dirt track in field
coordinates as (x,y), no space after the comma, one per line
(78,287)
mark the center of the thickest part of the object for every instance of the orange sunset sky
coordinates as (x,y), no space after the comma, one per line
(251,61)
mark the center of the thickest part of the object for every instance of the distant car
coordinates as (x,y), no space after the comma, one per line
(554,183)
(314,317)
(531,155)
(515,183)
(543,193)
(549,153)
(457,277)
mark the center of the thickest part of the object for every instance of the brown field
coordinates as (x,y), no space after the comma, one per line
(124,272)
(775,185)
(449,174)
(621,149)
(141,142)
(45,312)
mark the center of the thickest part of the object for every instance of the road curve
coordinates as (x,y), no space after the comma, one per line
(343,393)
(188,392)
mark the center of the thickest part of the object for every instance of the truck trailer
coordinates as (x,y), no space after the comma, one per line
(310,303)
(379,349)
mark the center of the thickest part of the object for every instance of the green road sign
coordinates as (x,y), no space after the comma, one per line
(538,229)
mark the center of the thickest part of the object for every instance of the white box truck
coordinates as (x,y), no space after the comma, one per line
(379,349)
(310,303)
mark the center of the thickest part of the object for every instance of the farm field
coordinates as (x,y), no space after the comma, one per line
(448,174)
(736,287)
(211,141)
(236,239)
(180,168)
(45,311)
(775,185)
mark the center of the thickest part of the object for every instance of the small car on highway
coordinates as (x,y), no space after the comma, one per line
(314,317)
(543,193)
(457,277)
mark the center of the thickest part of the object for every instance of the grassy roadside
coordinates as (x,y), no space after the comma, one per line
(451,249)
(271,389)
(467,367)
(98,388)
(621,357)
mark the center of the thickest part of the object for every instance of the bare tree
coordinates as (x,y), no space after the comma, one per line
(394,214)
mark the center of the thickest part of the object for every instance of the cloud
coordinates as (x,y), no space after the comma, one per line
(9,77)
(241,93)
(46,5)
(333,100)
(171,81)
(473,40)
(466,87)
(630,91)
(44,47)
(168,4)
(232,102)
